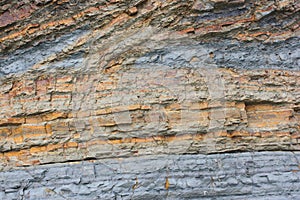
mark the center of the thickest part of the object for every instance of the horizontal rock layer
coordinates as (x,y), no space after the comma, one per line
(256,175)
(50,118)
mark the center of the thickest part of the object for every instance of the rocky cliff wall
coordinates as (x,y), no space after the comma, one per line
(143,98)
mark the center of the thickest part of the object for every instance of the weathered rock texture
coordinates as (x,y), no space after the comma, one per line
(223,176)
(144,81)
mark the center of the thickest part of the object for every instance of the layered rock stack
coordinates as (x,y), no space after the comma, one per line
(149,99)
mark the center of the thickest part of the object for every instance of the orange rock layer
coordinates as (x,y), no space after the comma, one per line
(46,118)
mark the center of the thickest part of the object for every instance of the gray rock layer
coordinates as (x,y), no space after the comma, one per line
(251,175)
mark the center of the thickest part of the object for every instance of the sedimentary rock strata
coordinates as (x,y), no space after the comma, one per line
(144,81)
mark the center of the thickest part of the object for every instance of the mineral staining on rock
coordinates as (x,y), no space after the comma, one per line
(130,80)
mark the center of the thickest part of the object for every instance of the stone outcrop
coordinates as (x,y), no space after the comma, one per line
(248,175)
(97,83)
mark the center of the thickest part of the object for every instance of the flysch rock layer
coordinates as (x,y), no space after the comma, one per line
(149,81)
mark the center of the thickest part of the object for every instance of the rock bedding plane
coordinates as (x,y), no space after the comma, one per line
(149,99)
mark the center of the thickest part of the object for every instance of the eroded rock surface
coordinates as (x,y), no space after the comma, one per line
(147,80)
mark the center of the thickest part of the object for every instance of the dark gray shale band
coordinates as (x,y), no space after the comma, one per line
(224,53)
(228,53)
(251,175)
(23,59)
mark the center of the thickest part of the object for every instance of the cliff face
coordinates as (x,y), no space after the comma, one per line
(149,99)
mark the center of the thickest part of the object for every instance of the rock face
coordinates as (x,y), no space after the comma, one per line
(149,99)
(222,176)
